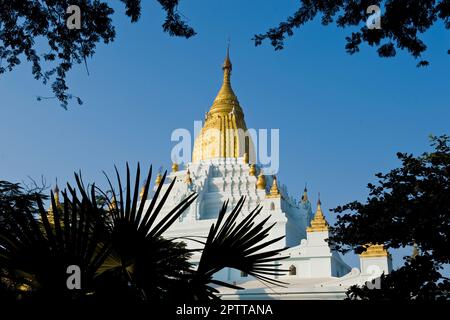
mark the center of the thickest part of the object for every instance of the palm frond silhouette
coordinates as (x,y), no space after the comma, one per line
(120,247)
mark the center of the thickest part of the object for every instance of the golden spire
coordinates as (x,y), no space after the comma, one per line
(261,183)
(416,251)
(274,192)
(246,157)
(113,204)
(226,100)
(374,250)
(50,213)
(219,137)
(318,223)
(174,167)
(141,194)
(188,177)
(227,63)
(252,170)
(56,193)
(158,179)
(305,195)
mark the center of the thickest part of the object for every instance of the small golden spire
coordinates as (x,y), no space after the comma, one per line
(227,63)
(274,192)
(318,223)
(305,195)
(252,170)
(56,193)
(416,251)
(158,179)
(174,167)
(141,194)
(188,177)
(246,157)
(113,204)
(50,212)
(261,183)
(374,250)
(226,99)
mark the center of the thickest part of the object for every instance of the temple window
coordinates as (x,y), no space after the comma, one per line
(292,270)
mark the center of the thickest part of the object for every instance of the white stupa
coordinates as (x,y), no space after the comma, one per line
(222,169)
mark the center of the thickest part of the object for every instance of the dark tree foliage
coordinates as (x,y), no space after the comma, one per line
(418,279)
(13,198)
(408,206)
(36,30)
(402,23)
(120,246)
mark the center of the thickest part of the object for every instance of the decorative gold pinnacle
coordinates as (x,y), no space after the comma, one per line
(113,204)
(274,192)
(141,194)
(220,136)
(158,179)
(252,171)
(188,177)
(305,195)
(56,194)
(227,63)
(261,182)
(416,251)
(174,167)
(50,213)
(318,223)
(374,250)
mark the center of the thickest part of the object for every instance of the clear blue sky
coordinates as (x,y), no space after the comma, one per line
(342,118)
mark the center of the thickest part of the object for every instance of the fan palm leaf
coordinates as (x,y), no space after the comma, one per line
(149,264)
(122,251)
(37,252)
(239,245)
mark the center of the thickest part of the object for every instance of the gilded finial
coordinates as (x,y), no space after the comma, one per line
(56,193)
(175,167)
(227,63)
(141,194)
(246,157)
(252,170)
(416,251)
(374,250)
(261,183)
(305,194)
(188,177)
(158,179)
(50,212)
(113,204)
(274,192)
(318,223)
